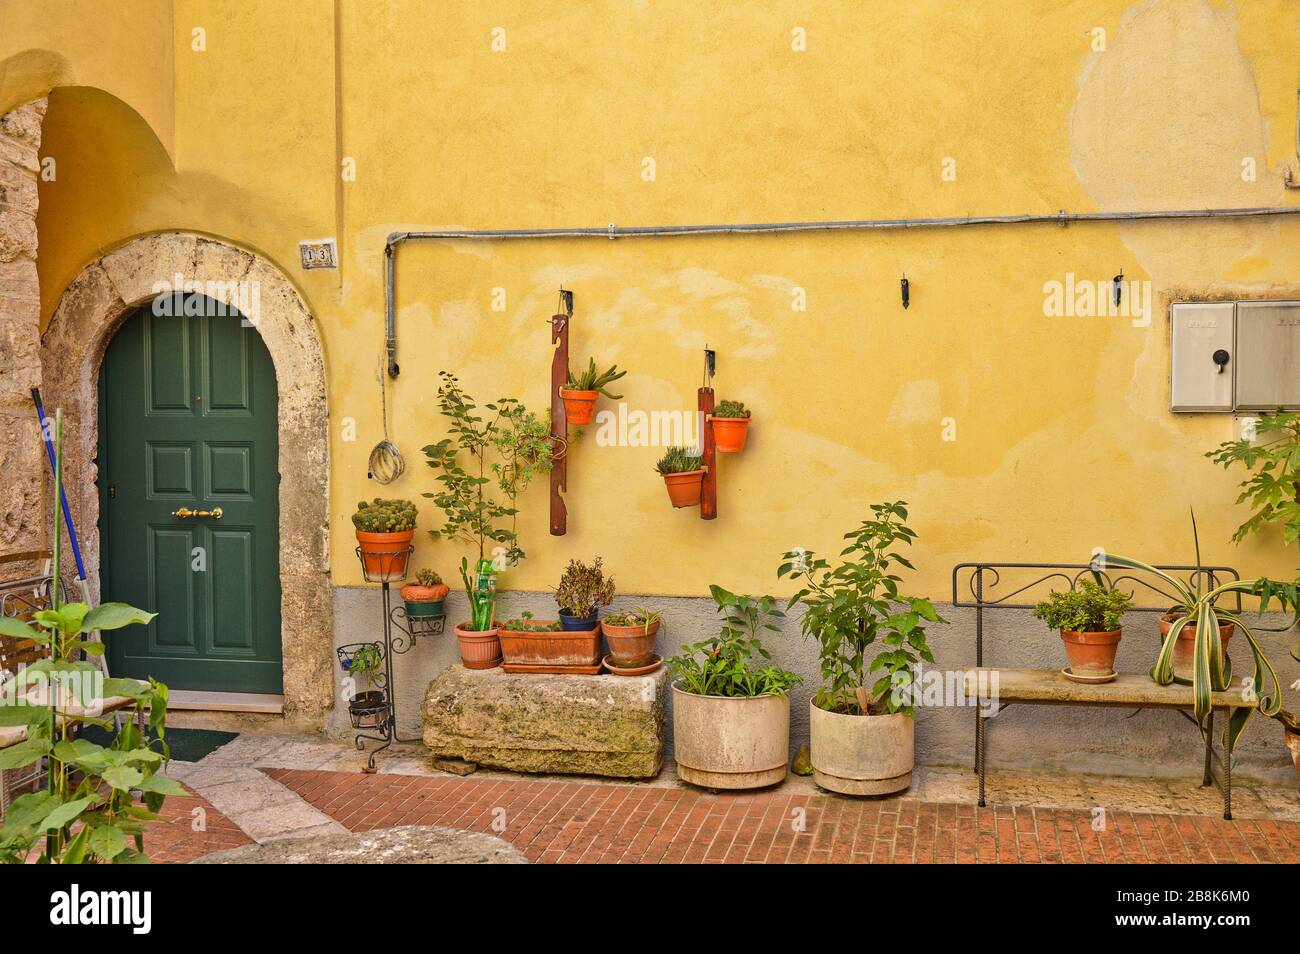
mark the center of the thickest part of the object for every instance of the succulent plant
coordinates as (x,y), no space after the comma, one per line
(592,380)
(678,460)
(730,409)
(427,577)
(384,516)
(635,617)
(584,588)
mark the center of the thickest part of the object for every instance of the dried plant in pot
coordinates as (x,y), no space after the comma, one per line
(730,423)
(580,392)
(870,639)
(426,596)
(683,476)
(731,714)
(1291,734)
(384,531)
(583,590)
(1088,619)
(631,637)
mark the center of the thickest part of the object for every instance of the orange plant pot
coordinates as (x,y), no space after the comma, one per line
(630,646)
(384,555)
(479,649)
(1185,647)
(559,648)
(684,489)
(729,434)
(579,406)
(1091,653)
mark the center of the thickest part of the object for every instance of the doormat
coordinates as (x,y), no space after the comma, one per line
(186,745)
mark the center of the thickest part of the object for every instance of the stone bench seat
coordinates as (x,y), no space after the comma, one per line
(612,726)
(1130,690)
(12,735)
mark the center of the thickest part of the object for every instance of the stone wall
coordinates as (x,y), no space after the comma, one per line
(22,462)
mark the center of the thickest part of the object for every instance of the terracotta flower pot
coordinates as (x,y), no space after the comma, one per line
(479,649)
(1293,743)
(555,648)
(684,489)
(1091,653)
(729,433)
(862,755)
(579,406)
(384,555)
(630,646)
(1185,647)
(424,601)
(731,742)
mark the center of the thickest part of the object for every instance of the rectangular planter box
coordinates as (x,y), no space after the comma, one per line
(580,648)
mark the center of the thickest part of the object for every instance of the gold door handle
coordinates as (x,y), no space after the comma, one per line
(185,513)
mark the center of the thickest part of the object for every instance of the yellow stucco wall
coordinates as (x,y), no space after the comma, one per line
(1063,437)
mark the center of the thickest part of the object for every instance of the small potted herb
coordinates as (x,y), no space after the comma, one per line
(580,393)
(364,664)
(425,597)
(730,422)
(582,591)
(631,637)
(1089,620)
(731,717)
(384,531)
(683,476)
(529,642)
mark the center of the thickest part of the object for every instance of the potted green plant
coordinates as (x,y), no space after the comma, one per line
(870,638)
(1272,452)
(506,448)
(424,598)
(384,531)
(631,637)
(582,389)
(583,590)
(546,644)
(683,476)
(730,423)
(731,718)
(98,797)
(1210,669)
(1088,619)
(364,664)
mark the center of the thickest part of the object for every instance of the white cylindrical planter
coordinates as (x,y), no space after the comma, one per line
(862,755)
(731,742)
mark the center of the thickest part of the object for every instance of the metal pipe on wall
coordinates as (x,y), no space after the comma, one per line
(666,231)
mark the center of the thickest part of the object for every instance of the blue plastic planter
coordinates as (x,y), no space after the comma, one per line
(578,624)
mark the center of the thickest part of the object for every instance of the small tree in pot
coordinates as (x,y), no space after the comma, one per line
(731,719)
(1089,621)
(582,591)
(862,718)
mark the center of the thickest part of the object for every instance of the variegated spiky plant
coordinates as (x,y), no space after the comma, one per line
(1212,669)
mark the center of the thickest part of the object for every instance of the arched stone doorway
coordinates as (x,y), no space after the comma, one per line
(72,349)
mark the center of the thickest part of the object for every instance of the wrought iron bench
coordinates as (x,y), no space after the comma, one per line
(980,586)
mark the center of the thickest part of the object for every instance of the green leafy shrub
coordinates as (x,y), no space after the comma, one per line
(1092,608)
(850,607)
(367,666)
(590,379)
(678,460)
(721,666)
(384,516)
(583,589)
(730,409)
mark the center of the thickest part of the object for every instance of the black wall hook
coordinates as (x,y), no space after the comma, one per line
(907,294)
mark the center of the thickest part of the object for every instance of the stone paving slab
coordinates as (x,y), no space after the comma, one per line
(411,844)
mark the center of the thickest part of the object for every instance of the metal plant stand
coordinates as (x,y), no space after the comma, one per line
(386,568)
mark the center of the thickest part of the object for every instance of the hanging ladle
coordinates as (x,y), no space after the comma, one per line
(386,463)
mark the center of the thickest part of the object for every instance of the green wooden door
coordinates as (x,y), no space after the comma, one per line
(188,420)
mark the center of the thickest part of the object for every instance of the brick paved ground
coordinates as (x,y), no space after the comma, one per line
(557,821)
(174,840)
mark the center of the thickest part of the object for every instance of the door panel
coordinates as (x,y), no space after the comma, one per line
(187,420)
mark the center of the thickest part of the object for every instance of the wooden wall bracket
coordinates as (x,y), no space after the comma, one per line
(708,458)
(559,420)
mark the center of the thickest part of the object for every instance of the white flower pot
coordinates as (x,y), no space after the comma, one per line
(731,742)
(862,755)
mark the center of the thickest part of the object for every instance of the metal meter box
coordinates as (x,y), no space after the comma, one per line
(1267,355)
(1202,355)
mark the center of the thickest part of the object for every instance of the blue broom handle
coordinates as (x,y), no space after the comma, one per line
(63,495)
